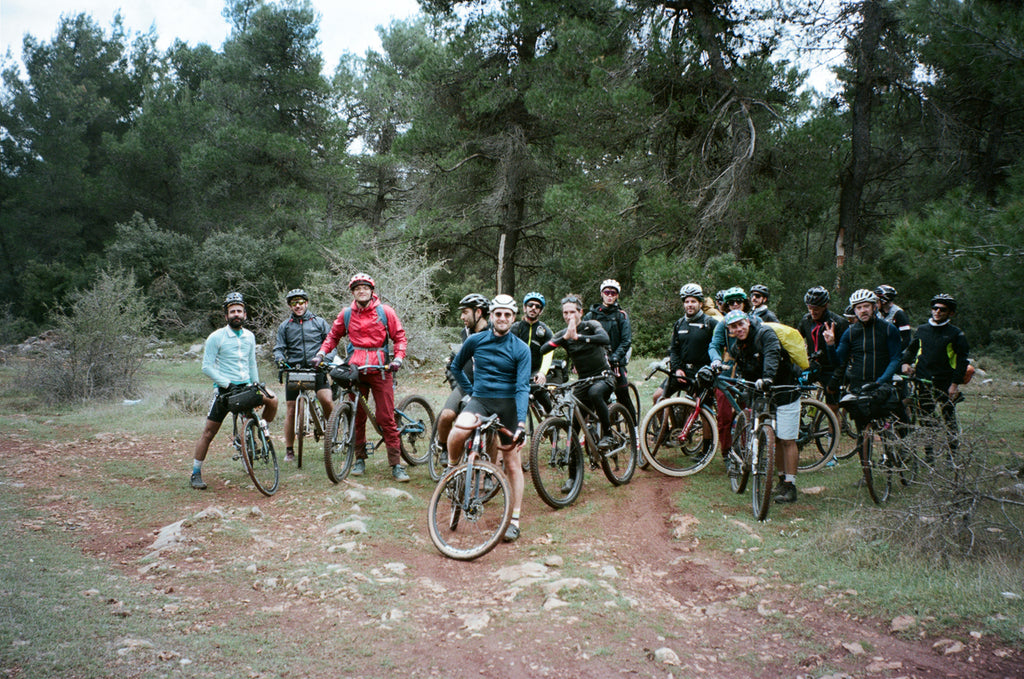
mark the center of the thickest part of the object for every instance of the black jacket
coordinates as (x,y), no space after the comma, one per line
(535,336)
(761,355)
(589,353)
(939,353)
(615,322)
(688,350)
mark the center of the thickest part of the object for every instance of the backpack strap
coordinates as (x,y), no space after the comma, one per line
(381,316)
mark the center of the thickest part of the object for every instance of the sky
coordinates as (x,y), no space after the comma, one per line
(345,25)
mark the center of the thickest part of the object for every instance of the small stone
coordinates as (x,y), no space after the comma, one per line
(553,561)
(901,623)
(666,656)
(853,648)
(354,526)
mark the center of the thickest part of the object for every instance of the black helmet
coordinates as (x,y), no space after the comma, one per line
(885,293)
(297,292)
(759,289)
(720,297)
(816,296)
(233,298)
(475,301)
(944,299)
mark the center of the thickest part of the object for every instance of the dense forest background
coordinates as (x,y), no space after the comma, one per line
(524,145)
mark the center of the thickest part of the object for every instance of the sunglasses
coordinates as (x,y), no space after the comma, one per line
(610,293)
(939,307)
(298,302)
(572,299)
(534,305)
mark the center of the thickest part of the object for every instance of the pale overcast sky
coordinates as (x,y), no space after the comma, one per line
(345,25)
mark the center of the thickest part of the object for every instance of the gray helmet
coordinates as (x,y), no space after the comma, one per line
(691,290)
(504,302)
(759,289)
(862,295)
(475,301)
(233,298)
(885,292)
(816,296)
(297,292)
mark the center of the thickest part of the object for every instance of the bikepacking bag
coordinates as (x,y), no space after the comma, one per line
(244,399)
(870,401)
(302,379)
(345,375)
(793,342)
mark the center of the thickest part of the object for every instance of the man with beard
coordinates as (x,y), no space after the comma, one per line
(535,333)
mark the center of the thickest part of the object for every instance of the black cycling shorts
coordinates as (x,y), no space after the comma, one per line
(292,392)
(454,402)
(218,407)
(504,407)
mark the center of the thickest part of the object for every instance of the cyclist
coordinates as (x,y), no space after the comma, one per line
(869,350)
(536,334)
(369,324)
(938,353)
(298,339)
(761,358)
(812,327)
(759,303)
(473,312)
(889,311)
(229,359)
(691,337)
(734,299)
(501,385)
(615,322)
(586,342)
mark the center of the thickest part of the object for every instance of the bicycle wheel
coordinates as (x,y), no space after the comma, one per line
(685,440)
(338,449)
(259,458)
(414,418)
(849,429)
(819,435)
(300,425)
(469,511)
(619,463)
(763,468)
(739,475)
(877,472)
(556,463)
(438,458)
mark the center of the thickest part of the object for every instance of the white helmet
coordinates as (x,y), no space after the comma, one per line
(691,290)
(610,283)
(504,302)
(862,295)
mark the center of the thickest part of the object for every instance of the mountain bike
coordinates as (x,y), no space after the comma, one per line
(471,506)
(680,434)
(413,416)
(886,461)
(571,431)
(250,439)
(309,412)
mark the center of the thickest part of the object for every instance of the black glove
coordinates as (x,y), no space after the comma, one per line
(317,360)
(519,436)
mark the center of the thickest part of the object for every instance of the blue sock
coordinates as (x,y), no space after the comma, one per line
(197,466)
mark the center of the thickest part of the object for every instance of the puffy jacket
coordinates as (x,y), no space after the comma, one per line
(299,338)
(615,322)
(367,335)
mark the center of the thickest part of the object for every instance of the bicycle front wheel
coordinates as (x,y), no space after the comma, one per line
(819,435)
(469,510)
(619,463)
(762,468)
(438,458)
(259,458)
(338,449)
(679,440)
(556,463)
(414,418)
(877,471)
(300,425)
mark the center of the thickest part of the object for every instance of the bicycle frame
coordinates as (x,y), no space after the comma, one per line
(570,407)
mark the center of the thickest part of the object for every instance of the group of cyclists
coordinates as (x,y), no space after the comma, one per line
(502,360)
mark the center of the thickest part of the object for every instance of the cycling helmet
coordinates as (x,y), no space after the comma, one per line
(691,290)
(720,297)
(297,292)
(610,283)
(760,289)
(733,294)
(816,296)
(862,295)
(233,298)
(504,302)
(536,296)
(734,316)
(361,279)
(475,301)
(885,292)
(943,298)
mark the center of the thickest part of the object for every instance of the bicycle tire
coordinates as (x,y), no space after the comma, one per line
(666,451)
(438,460)
(849,429)
(415,421)
(556,463)
(877,474)
(259,458)
(466,531)
(619,463)
(299,424)
(316,418)
(762,472)
(819,436)
(338,449)
(740,433)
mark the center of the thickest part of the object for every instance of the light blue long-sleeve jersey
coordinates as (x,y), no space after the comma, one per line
(230,357)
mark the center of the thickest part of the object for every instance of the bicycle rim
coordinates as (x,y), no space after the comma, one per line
(818,437)
(301,416)
(619,463)
(469,511)
(556,463)
(338,450)
(680,439)
(415,420)
(762,470)
(260,459)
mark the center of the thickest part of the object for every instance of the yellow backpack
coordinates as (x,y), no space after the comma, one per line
(793,342)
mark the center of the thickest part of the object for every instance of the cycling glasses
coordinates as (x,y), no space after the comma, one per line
(611,292)
(534,305)
(572,299)
(939,307)
(297,302)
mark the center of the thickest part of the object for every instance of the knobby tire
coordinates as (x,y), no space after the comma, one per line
(339,452)
(556,463)
(465,532)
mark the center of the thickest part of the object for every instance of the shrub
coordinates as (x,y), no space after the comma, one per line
(189,402)
(101,344)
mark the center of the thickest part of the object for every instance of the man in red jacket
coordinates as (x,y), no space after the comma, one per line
(370,324)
